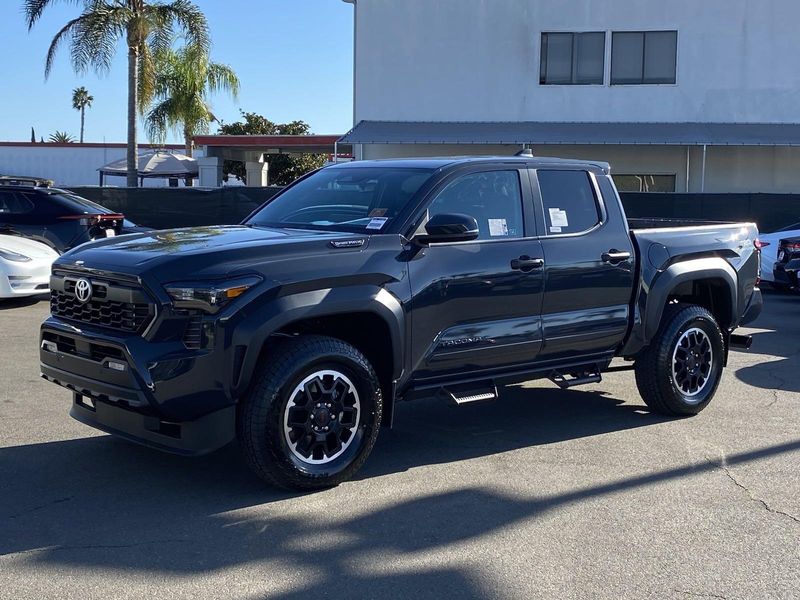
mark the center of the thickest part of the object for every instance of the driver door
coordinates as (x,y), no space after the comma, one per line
(476,306)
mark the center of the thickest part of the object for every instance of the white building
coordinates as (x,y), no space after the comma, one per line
(685,95)
(68,165)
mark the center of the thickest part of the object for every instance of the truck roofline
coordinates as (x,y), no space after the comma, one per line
(438,162)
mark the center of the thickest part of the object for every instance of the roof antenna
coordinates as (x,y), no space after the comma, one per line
(526,152)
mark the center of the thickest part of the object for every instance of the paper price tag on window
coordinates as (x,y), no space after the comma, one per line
(558,217)
(377,223)
(498,227)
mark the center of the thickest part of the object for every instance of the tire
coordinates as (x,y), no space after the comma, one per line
(781,288)
(299,448)
(673,381)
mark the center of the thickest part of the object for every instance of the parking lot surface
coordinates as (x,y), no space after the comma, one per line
(541,494)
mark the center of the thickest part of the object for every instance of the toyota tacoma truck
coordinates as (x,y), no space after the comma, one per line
(369,283)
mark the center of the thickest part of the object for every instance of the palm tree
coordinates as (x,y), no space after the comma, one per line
(146,26)
(184,79)
(61,137)
(81,100)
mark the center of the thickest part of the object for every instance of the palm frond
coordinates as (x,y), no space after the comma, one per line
(95,39)
(188,17)
(33,9)
(68,29)
(222,78)
(160,120)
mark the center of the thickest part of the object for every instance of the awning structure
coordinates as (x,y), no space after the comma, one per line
(158,164)
(529,132)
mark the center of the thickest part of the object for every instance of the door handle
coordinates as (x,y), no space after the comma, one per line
(526,263)
(615,256)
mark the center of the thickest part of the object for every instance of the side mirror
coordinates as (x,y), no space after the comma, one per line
(449,228)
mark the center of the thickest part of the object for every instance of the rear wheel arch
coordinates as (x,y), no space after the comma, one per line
(710,283)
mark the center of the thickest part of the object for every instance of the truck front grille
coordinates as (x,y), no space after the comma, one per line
(113,305)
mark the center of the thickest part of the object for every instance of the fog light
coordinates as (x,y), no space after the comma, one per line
(88,402)
(49,346)
(116,366)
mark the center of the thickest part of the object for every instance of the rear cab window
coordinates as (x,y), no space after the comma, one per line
(569,201)
(14,203)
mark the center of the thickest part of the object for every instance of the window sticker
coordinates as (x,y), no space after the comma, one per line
(558,217)
(555,230)
(377,223)
(498,227)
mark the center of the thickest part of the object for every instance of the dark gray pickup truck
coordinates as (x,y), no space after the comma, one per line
(368,283)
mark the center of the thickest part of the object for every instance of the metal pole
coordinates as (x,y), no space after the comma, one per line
(703,172)
(335,151)
(688,151)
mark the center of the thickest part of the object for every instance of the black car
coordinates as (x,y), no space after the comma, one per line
(56,217)
(369,283)
(785,269)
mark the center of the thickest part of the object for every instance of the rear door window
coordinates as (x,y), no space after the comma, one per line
(569,201)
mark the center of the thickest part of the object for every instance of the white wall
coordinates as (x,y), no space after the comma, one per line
(72,165)
(478,60)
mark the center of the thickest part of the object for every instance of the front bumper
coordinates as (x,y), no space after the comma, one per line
(24,279)
(192,438)
(782,277)
(156,393)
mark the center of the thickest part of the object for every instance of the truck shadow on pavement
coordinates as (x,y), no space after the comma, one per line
(107,506)
(11,303)
(779,337)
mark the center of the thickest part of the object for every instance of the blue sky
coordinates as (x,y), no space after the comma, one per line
(294,59)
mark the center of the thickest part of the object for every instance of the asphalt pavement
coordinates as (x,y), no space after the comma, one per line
(541,494)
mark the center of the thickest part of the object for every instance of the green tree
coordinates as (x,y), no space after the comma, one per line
(283,168)
(81,100)
(184,80)
(61,137)
(146,26)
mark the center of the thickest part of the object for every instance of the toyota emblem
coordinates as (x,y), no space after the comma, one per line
(83,290)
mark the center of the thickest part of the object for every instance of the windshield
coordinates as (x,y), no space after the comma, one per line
(359,199)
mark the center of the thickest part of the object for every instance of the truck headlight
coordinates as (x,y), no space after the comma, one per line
(209,296)
(14,256)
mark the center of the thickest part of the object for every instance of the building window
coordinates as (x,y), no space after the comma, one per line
(645,183)
(640,57)
(572,58)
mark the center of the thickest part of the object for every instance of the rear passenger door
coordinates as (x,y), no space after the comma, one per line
(589,264)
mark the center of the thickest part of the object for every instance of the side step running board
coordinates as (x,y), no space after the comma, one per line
(572,379)
(466,394)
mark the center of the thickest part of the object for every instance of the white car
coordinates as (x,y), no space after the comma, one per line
(24,267)
(769,249)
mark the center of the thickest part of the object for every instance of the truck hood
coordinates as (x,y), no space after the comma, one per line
(202,251)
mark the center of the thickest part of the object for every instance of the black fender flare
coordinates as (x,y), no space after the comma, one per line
(653,297)
(252,331)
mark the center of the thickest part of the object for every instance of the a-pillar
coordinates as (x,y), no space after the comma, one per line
(257,173)
(210,168)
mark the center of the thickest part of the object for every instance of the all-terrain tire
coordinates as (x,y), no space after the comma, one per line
(264,431)
(664,382)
